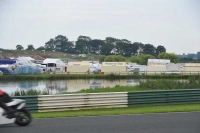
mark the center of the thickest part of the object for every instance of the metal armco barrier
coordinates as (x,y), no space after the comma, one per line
(48,103)
(164,97)
(81,101)
(31,102)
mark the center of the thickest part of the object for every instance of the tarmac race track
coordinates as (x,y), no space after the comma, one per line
(148,123)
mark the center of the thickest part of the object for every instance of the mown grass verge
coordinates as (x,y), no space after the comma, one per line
(91,76)
(121,111)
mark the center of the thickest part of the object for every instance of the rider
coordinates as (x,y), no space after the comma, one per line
(5,98)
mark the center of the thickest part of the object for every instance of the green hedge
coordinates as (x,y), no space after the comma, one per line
(92,76)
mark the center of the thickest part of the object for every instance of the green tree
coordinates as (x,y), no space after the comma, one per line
(106,49)
(134,48)
(50,44)
(136,59)
(141,59)
(82,44)
(140,47)
(111,40)
(109,58)
(30,47)
(119,58)
(160,49)
(69,47)
(171,56)
(144,58)
(19,47)
(41,48)
(95,46)
(149,49)
(115,58)
(108,46)
(123,47)
(102,58)
(60,43)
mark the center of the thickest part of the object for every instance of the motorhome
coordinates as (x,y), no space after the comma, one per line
(55,65)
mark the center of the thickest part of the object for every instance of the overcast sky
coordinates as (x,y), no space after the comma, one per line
(175,24)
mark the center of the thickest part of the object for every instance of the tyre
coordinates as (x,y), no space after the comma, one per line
(23,118)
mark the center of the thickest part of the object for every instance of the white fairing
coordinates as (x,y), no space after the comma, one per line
(14,102)
(3,119)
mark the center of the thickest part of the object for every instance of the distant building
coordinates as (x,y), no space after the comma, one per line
(198,55)
(191,67)
(113,67)
(157,65)
(189,55)
(158,62)
(78,67)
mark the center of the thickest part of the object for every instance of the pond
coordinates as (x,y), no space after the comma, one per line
(56,86)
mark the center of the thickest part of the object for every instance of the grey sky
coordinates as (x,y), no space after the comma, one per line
(174,24)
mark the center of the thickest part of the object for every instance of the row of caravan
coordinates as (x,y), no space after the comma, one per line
(115,67)
(56,66)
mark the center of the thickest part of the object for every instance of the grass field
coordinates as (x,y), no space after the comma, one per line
(121,111)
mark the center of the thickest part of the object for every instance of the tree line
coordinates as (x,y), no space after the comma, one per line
(140,59)
(109,46)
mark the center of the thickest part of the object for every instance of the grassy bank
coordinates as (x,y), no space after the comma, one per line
(161,84)
(120,111)
(30,92)
(91,76)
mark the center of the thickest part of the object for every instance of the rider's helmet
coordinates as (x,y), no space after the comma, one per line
(1,92)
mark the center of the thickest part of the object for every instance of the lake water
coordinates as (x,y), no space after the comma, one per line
(56,86)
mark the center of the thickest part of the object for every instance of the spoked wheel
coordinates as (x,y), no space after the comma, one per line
(23,117)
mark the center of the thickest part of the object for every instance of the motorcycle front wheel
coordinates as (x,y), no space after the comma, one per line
(23,117)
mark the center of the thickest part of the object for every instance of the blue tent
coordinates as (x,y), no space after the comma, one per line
(5,71)
(27,70)
(7,61)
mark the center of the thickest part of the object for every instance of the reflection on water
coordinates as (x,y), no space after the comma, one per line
(56,86)
(25,85)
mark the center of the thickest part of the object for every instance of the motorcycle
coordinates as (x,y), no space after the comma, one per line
(22,116)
